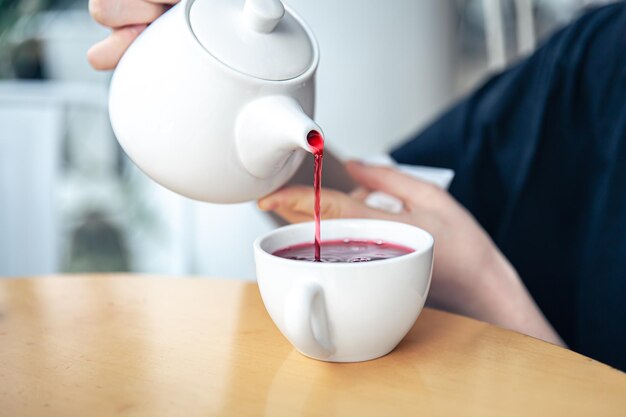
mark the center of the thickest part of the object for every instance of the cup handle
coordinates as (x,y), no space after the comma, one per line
(306,321)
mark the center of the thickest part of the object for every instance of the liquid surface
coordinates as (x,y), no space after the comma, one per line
(316,143)
(344,251)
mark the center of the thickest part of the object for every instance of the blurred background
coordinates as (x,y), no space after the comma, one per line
(70,200)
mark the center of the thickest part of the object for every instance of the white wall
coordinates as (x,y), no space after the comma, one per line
(385,69)
(29,155)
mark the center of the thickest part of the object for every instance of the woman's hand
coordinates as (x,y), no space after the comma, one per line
(127,19)
(470,274)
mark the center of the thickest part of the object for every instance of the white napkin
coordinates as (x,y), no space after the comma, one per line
(441,177)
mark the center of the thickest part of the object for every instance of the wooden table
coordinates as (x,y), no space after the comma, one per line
(108,345)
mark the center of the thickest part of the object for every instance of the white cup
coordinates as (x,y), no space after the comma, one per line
(345,312)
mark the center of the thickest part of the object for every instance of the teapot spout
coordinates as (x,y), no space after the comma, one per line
(269,131)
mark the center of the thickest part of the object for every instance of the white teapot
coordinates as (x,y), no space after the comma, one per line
(215,99)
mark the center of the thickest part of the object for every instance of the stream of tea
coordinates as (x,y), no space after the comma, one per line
(316,143)
(343,250)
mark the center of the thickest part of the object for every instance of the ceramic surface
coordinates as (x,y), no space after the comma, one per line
(346,312)
(202,128)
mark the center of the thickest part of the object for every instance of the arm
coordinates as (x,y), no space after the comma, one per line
(470,275)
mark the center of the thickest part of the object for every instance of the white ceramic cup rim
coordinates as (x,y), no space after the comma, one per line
(410,229)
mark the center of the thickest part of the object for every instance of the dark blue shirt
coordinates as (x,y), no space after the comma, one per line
(540,158)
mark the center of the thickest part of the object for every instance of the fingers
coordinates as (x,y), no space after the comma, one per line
(360,193)
(292,216)
(298,202)
(120,13)
(295,198)
(295,204)
(393,182)
(106,54)
(127,18)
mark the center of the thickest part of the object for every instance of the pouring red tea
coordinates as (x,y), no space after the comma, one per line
(346,250)
(316,143)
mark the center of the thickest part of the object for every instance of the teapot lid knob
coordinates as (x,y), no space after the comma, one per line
(263,15)
(260,38)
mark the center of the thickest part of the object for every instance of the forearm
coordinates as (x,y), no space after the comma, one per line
(502,299)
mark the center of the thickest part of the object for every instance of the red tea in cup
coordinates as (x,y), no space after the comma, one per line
(344,251)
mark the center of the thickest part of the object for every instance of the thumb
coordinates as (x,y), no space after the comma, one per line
(392,182)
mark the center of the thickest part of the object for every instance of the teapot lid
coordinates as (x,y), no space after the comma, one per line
(260,38)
